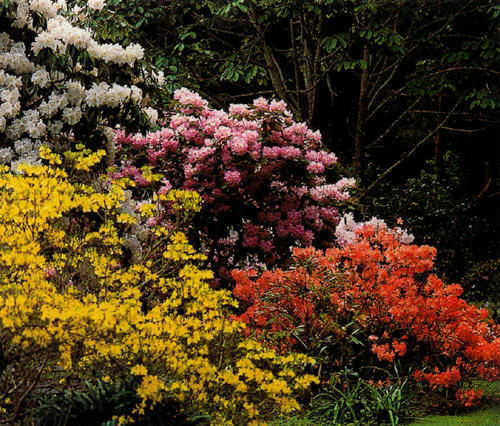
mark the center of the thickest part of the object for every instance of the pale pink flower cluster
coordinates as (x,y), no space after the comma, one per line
(347,227)
(239,110)
(281,152)
(323,157)
(338,191)
(238,145)
(199,154)
(190,99)
(261,103)
(232,177)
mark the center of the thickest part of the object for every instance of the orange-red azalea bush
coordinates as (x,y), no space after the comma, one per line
(370,303)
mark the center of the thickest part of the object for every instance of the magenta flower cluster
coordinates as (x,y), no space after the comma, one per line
(261,175)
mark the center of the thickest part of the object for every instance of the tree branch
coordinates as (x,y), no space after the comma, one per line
(412,151)
(396,121)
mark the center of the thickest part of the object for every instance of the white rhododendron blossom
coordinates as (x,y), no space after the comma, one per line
(47,8)
(96,4)
(41,78)
(104,94)
(152,114)
(6,155)
(42,97)
(346,230)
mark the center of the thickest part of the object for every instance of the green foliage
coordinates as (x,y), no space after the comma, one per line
(445,207)
(485,417)
(97,404)
(347,399)
(482,281)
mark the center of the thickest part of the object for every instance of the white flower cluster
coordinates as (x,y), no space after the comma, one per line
(41,78)
(104,94)
(46,8)
(25,150)
(38,103)
(152,114)
(13,56)
(24,9)
(61,33)
(96,4)
(116,53)
(9,97)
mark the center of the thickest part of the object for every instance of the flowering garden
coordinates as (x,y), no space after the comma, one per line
(193,265)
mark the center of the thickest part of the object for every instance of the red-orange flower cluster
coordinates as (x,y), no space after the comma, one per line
(381,290)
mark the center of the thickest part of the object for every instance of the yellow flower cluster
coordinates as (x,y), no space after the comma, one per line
(148,174)
(69,301)
(189,201)
(83,159)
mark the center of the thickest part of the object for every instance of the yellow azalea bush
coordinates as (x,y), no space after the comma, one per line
(72,303)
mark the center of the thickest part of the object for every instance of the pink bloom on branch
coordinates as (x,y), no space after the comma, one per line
(238,145)
(238,109)
(270,152)
(277,106)
(314,167)
(222,133)
(232,177)
(261,103)
(187,97)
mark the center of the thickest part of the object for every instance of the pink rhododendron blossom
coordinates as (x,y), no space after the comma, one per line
(232,177)
(314,167)
(261,103)
(238,145)
(238,109)
(189,98)
(262,178)
(277,106)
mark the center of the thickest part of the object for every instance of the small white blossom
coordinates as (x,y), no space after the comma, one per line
(96,4)
(6,155)
(41,78)
(23,146)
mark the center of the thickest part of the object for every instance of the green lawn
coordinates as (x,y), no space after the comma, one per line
(489,416)
(485,417)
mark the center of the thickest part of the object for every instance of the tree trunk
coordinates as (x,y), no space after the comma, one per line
(358,148)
